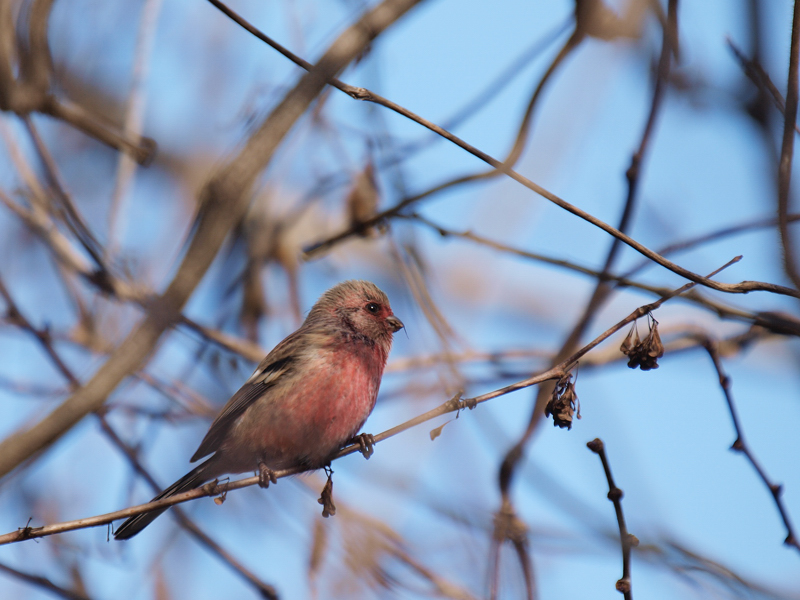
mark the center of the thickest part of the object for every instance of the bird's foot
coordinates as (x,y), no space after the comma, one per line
(265,475)
(326,498)
(365,443)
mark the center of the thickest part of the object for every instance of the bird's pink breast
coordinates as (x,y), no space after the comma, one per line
(317,415)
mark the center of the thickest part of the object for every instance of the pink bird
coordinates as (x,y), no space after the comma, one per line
(308,398)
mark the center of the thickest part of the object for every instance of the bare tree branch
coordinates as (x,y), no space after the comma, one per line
(626,539)
(787,152)
(739,445)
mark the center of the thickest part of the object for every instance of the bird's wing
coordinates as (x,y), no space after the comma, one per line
(274,366)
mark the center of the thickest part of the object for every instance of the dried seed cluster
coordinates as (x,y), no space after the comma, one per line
(563,403)
(646,352)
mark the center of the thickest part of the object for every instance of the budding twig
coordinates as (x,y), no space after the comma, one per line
(626,539)
(739,444)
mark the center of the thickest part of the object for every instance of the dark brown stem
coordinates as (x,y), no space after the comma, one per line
(626,539)
(43,583)
(787,152)
(739,445)
(756,73)
(68,213)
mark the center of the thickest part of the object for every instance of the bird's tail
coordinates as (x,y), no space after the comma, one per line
(194,478)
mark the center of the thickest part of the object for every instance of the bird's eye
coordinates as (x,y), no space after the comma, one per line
(373,307)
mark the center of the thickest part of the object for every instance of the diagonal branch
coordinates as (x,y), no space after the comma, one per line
(787,152)
(626,539)
(740,445)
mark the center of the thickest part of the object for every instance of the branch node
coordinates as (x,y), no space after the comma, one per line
(596,445)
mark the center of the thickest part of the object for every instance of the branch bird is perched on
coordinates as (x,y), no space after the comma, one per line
(308,397)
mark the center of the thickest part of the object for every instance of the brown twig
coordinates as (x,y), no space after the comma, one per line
(626,539)
(739,445)
(14,315)
(714,236)
(786,324)
(68,213)
(756,73)
(43,583)
(787,152)
(738,288)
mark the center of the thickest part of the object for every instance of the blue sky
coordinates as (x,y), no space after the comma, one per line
(667,432)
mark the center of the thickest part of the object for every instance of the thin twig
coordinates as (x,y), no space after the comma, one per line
(43,583)
(603,289)
(787,152)
(785,324)
(756,73)
(739,445)
(626,539)
(15,316)
(68,213)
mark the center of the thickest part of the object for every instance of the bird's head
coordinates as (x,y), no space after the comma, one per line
(361,307)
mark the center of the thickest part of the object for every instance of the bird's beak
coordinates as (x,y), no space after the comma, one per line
(395,323)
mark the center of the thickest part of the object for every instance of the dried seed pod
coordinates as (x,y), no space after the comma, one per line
(563,404)
(630,341)
(654,347)
(645,353)
(362,203)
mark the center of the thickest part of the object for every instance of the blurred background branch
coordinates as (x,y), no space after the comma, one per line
(140,287)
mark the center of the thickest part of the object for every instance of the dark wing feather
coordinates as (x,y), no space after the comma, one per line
(274,366)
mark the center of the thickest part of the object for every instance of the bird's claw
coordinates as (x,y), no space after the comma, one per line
(365,443)
(265,475)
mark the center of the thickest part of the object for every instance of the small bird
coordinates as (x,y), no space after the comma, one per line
(308,398)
